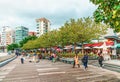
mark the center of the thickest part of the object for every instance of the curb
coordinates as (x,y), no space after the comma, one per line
(7,61)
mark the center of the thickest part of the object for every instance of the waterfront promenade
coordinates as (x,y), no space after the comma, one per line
(47,71)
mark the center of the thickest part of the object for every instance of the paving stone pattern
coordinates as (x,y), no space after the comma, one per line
(47,71)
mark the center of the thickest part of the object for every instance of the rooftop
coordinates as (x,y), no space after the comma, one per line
(42,19)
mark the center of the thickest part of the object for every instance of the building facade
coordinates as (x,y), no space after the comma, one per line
(3,36)
(7,36)
(10,36)
(0,38)
(20,33)
(43,26)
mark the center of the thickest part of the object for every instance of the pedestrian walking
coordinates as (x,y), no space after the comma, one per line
(22,58)
(34,57)
(100,60)
(85,61)
(38,56)
(76,61)
(16,53)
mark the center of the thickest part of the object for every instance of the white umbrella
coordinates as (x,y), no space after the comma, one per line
(87,48)
(98,47)
(66,48)
(78,47)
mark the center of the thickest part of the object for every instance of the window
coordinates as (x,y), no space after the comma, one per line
(37,24)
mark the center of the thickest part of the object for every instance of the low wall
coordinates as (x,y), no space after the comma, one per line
(6,59)
(3,58)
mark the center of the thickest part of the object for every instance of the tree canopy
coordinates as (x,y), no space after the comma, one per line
(21,43)
(108,11)
(84,30)
(12,46)
(73,31)
(25,40)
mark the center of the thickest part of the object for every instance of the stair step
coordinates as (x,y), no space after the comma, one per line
(112,65)
(112,69)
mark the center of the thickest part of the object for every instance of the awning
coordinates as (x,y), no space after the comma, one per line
(98,47)
(110,43)
(117,45)
(87,45)
(94,44)
(97,44)
(68,47)
(100,44)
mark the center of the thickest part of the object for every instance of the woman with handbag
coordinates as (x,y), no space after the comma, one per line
(76,61)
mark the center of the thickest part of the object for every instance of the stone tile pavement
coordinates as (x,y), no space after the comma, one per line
(47,71)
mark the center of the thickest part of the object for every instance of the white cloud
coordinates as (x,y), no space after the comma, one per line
(24,12)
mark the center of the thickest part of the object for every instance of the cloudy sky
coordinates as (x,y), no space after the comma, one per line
(15,13)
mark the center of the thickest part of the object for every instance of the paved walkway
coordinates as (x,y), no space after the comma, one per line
(46,71)
(115,62)
(3,54)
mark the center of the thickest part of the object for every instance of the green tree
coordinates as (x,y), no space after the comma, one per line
(64,35)
(49,39)
(82,30)
(53,38)
(12,46)
(31,44)
(25,40)
(72,32)
(108,11)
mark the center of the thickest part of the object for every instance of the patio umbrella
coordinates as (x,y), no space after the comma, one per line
(78,47)
(87,48)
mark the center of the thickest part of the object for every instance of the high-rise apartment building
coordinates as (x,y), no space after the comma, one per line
(10,36)
(43,26)
(3,35)
(20,33)
(7,36)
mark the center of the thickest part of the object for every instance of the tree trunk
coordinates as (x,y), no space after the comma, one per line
(75,44)
(82,48)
